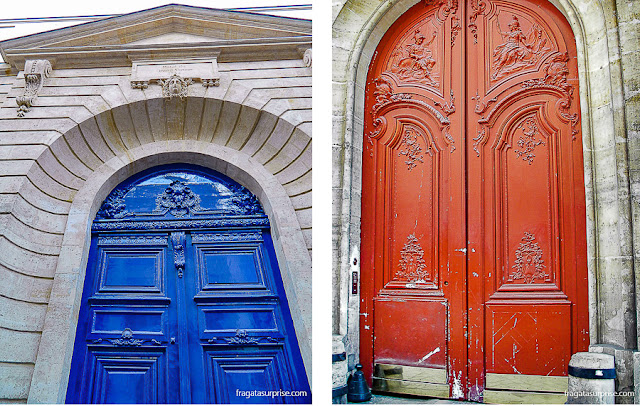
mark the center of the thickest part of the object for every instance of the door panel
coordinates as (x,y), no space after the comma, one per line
(473,205)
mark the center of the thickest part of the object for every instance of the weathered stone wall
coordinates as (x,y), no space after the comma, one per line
(85,123)
(606,35)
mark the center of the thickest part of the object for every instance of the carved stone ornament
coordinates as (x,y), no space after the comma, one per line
(414,61)
(412,265)
(35,72)
(307,58)
(175,86)
(527,142)
(529,264)
(175,76)
(519,50)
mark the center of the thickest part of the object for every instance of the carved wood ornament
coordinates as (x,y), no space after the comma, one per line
(472,187)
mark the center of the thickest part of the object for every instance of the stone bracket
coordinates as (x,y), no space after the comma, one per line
(175,76)
(35,72)
(306,56)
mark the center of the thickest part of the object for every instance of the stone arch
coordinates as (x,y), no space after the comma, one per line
(262,143)
(360,25)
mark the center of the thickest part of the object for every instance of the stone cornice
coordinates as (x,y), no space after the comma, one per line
(122,55)
(234,36)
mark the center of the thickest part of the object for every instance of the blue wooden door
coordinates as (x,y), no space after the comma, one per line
(183,300)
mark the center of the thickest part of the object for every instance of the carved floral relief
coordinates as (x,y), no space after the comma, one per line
(411,149)
(529,265)
(527,142)
(412,264)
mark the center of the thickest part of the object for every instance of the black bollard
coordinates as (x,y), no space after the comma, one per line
(358,389)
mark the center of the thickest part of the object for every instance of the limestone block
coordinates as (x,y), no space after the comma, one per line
(69,159)
(48,185)
(26,262)
(125,129)
(263,129)
(110,133)
(301,201)
(36,197)
(23,316)
(591,391)
(18,346)
(27,137)
(297,167)
(304,217)
(52,166)
(227,122)
(247,120)
(210,117)
(30,238)
(15,379)
(92,135)
(23,287)
(76,142)
(193,118)
(623,360)
(299,185)
(278,137)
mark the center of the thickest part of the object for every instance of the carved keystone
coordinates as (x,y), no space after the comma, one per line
(35,71)
(175,76)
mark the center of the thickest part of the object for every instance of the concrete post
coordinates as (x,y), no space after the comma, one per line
(591,379)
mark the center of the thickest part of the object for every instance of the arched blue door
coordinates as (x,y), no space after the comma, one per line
(183,300)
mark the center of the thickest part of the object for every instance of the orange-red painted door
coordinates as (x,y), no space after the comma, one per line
(473,205)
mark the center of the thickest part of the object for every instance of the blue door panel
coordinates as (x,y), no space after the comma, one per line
(126,377)
(231,317)
(183,300)
(106,321)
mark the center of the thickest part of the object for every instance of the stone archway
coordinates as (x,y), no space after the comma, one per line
(262,143)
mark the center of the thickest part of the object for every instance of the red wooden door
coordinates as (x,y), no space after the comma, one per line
(473,204)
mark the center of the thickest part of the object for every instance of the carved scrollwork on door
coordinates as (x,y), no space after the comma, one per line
(556,74)
(478,7)
(527,141)
(411,149)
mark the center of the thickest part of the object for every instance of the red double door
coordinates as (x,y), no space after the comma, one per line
(474,270)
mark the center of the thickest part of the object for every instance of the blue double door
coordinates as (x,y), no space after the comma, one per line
(184,315)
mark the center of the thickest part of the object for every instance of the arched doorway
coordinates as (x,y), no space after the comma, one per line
(183,301)
(474,276)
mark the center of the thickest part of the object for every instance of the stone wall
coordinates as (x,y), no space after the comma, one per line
(606,35)
(88,130)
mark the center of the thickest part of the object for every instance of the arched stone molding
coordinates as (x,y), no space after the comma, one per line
(358,27)
(60,144)
(52,365)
